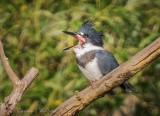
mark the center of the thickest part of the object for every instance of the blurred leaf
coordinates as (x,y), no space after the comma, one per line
(32,35)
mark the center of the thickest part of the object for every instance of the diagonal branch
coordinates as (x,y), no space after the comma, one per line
(122,73)
(19,86)
(7,67)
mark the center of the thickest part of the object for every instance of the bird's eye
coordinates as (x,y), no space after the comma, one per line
(86,35)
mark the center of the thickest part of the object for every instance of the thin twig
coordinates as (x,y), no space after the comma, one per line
(7,67)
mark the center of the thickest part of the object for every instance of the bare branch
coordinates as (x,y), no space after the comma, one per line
(19,86)
(7,67)
(111,80)
(30,76)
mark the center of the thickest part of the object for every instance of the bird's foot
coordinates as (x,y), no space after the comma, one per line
(93,83)
(79,97)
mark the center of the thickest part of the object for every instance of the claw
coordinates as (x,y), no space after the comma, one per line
(93,83)
(79,97)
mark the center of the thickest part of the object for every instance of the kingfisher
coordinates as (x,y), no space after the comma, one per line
(92,59)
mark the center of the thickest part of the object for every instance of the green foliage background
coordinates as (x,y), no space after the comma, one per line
(31,31)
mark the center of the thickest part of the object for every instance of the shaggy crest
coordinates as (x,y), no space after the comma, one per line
(88,30)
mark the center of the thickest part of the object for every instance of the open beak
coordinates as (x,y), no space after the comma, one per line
(81,40)
(70,33)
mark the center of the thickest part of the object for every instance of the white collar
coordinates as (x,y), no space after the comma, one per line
(86,48)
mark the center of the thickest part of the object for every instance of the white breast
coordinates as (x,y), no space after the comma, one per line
(91,71)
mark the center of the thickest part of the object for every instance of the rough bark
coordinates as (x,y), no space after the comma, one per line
(19,86)
(122,73)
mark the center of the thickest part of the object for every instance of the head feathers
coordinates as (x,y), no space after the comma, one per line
(93,36)
(87,27)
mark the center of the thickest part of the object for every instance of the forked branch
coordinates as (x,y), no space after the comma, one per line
(19,86)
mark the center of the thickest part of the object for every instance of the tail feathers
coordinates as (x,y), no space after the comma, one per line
(128,88)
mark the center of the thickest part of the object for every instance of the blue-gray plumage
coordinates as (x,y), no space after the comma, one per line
(106,61)
(92,59)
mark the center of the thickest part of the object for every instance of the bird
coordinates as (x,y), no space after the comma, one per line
(91,57)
